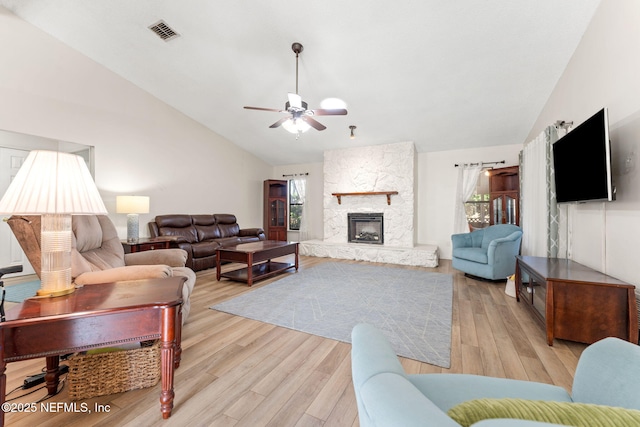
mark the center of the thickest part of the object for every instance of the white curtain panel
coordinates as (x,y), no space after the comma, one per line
(300,185)
(533,196)
(467,181)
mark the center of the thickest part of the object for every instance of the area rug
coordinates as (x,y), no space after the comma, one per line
(21,291)
(411,307)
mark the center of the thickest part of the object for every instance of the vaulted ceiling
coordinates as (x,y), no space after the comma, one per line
(444,74)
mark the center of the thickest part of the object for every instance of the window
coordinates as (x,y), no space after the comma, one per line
(296,202)
(477,207)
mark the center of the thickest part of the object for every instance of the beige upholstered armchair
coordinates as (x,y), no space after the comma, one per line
(97,256)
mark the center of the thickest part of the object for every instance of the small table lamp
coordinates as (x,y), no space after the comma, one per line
(54,185)
(132,206)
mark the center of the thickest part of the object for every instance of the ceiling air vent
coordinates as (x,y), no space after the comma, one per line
(164,31)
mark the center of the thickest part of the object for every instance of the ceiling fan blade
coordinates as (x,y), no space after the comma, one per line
(295,100)
(265,109)
(329,112)
(279,122)
(313,123)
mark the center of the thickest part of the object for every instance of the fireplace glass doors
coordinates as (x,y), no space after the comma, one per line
(366,228)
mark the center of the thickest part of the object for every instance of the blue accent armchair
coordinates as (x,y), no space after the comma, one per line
(489,253)
(607,374)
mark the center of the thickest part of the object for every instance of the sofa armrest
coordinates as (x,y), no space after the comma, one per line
(462,240)
(504,247)
(134,272)
(251,232)
(153,229)
(171,257)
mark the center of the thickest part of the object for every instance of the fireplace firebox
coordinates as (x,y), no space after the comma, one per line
(366,228)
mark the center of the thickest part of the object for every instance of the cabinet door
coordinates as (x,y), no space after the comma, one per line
(504,208)
(281,213)
(497,213)
(277,213)
(510,205)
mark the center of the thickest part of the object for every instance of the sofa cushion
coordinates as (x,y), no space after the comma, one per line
(248,239)
(229,230)
(173,221)
(204,249)
(472,254)
(564,413)
(185,234)
(203,219)
(229,241)
(88,232)
(207,232)
(225,218)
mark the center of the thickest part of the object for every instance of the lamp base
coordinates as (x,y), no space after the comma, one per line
(55,272)
(132,228)
(56,293)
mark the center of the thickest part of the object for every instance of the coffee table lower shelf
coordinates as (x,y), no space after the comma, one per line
(259,271)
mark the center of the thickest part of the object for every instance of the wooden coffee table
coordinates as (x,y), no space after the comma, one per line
(257,256)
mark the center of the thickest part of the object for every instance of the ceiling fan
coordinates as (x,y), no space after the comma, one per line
(299,118)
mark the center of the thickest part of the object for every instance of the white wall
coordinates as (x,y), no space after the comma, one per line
(604,72)
(142,146)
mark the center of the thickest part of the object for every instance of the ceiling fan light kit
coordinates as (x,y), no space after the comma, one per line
(299,118)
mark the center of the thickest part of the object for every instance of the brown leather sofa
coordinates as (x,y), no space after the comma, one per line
(201,235)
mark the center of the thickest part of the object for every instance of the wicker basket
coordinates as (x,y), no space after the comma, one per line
(113,372)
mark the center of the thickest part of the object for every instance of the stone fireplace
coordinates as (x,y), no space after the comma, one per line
(366,228)
(371,181)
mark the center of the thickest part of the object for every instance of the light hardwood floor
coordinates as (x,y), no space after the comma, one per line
(240,372)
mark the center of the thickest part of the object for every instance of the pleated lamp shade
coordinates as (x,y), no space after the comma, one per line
(52,182)
(54,185)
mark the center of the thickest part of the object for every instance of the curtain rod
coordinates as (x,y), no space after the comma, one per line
(483,163)
(296,174)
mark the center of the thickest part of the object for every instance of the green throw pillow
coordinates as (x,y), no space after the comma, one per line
(565,413)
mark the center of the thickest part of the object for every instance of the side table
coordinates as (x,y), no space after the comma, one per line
(96,316)
(147,244)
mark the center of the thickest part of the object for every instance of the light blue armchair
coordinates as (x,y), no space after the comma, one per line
(607,375)
(489,253)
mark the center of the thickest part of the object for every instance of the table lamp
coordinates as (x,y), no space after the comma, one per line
(54,185)
(132,206)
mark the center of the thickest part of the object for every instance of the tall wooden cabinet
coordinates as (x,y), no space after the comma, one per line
(275,209)
(504,195)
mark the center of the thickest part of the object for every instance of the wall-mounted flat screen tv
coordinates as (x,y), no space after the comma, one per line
(582,162)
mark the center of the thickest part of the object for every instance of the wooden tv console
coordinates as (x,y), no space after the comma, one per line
(575,302)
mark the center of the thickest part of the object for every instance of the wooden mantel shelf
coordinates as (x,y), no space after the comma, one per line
(366,193)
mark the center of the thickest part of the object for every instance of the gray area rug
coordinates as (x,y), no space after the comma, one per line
(21,291)
(412,308)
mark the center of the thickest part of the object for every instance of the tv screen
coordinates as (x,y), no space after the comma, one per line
(582,162)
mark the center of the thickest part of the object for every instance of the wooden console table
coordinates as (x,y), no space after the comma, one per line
(96,316)
(575,302)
